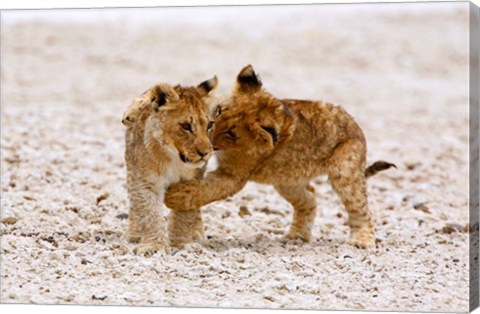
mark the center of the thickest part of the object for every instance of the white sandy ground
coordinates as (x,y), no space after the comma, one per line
(401,72)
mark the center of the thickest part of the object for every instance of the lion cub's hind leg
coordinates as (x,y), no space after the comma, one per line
(347,177)
(302,199)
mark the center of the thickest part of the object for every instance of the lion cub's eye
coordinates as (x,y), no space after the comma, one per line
(231,135)
(218,111)
(186,126)
(210,125)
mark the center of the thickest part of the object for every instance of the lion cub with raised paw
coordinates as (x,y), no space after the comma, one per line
(286,143)
(167,140)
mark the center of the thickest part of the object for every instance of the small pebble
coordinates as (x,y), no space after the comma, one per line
(51,240)
(452,228)
(9,220)
(29,198)
(244,211)
(102,197)
(412,165)
(98,298)
(341,296)
(269,298)
(268,211)
(422,207)
(122,216)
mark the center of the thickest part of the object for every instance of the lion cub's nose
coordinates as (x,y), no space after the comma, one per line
(202,154)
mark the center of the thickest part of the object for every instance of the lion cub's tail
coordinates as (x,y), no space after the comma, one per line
(378,166)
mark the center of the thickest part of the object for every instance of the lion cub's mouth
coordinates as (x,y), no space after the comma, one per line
(186,160)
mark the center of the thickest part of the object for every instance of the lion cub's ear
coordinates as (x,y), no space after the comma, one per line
(248,81)
(161,95)
(207,86)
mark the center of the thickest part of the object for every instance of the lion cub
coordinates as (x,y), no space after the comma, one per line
(167,140)
(286,143)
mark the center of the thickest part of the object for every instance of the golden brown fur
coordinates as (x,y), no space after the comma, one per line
(285,143)
(167,140)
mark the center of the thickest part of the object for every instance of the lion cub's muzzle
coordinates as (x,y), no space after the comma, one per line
(199,156)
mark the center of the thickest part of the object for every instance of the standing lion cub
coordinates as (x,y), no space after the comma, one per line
(167,140)
(286,143)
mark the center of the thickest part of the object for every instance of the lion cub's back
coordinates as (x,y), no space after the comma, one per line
(325,121)
(319,128)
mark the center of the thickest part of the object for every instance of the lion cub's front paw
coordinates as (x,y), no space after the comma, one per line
(148,249)
(199,237)
(133,238)
(298,235)
(130,116)
(180,241)
(178,197)
(186,227)
(363,239)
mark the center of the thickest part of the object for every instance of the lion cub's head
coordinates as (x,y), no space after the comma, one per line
(253,122)
(179,119)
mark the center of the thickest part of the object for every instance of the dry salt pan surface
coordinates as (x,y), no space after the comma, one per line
(400,70)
